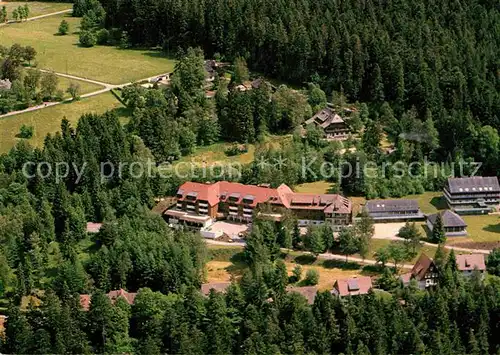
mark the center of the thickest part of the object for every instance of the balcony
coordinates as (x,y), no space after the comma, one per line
(233,213)
(202,204)
(233,208)
(247,210)
(179,206)
(190,207)
(246,215)
(203,210)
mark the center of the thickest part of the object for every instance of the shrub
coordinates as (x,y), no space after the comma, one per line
(59,95)
(26,132)
(103,37)
(236,149)
(87,39)
(63,28)
(297,273)
(312,277)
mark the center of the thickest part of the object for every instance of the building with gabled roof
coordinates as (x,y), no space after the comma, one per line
(333,125)
(454,225)
(467,263)
(199,205)
(216,286)
(309,292)
(472,195)
(112,295)
(394,210)
(352,286)
(424,272)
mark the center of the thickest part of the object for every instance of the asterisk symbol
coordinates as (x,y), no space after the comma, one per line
(280,162)
(262,162)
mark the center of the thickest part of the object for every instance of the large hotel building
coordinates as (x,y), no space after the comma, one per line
(199,205)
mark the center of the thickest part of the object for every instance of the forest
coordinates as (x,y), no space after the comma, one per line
(440,56)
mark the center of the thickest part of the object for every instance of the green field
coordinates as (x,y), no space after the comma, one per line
(64,55)
(85,87)
(48,120)
(318,187)
(36,8)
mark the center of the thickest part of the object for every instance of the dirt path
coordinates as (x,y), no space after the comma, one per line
(325,256)
(36,17)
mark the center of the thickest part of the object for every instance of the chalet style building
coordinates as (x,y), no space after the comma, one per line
(472,195)
(352,287)
(467,263)
(394,210)
(199,205)
(454,225)
(333,125)
(424,272)
(309,292)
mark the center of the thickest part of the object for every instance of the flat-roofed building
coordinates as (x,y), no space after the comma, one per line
(472,195)
(394,210)
(453,224)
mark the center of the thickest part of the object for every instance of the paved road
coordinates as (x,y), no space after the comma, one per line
(37,17)
(325,256)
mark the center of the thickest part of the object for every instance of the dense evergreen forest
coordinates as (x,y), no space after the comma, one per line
(437,55)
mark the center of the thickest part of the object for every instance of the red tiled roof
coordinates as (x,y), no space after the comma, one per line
(469,262)
(353,286)
(283,195)
(112,295)
(93,227)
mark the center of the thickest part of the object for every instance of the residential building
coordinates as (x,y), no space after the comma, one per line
(454,225)
(5,84)
(394,210)
(216,286)
(199,205)
(467,263)
(352,286)
(472,195)
(424,272)
(333,125)
(93,227)
(309,292)
(112,295)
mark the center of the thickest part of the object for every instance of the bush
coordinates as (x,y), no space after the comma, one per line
(59,95)
(103,37)
(26,132)
(87,39)
(236,149)
(63,28)
(297,274)
(493,262)
(312,277)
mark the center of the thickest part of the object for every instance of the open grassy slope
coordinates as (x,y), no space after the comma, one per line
(63,53)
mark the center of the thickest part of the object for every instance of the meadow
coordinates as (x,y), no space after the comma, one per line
(36,8)
(48,120)
(63,54)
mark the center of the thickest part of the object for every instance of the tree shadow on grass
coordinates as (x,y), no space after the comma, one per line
(338,264)
(305,259)
(439,203)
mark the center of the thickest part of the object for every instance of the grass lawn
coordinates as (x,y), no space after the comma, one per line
(85,87)
(318,187)
(48,120)
(222,271)
(36,8)
(64,55)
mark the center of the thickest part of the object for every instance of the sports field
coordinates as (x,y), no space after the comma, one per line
(64,55)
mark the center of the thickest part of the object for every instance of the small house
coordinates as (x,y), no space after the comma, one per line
(352,287)
(309,292)
(424,272)
(467,263)
(216,286)
(333,125)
